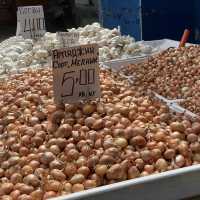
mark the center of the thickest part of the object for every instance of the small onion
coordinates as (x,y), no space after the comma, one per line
(58,175)
(72,154)
(192,138)
(15,194)
(49,194)
(37,194)
(67,187)
(139,131)
(77,187)
(101,170)
(47,157)
(31,179)
(133,172)
(53,185)
(54,149)
(34,164)
(98,124)
(6,188)
(160,136)
(180,161)
(156,154)
(149,168)
(183,149)
(16,178)
(139,163)
(24,197)
(84,170)
(138,141)
(196,157)
(121,142)
(161,164)
(144,173)
(177,126)
(77,178)
(196,128)
(114,172)
(107,160)
(26,189)
(146,155)
(169,154)
(1,173)
(70,169)
(27,169)
(56,164)
(88,184)
(89,121)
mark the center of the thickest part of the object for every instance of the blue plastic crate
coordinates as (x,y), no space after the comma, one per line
(197,22)
(123,13)
(150,19)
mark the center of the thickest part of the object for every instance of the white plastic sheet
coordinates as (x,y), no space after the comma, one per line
(157,46)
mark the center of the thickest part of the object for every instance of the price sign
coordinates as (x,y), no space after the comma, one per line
(76,73)
(68,39)
(30,22)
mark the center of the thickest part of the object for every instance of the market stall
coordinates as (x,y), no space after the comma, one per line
(93,114)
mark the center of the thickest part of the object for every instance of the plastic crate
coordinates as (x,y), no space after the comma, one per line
(149,20)
(197,21)
(125,14)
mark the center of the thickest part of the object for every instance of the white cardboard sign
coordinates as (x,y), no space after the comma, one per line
(30,22)
(68,39)
(76,73)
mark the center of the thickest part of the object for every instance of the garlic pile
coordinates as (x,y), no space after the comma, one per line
(112,44)
(10,52)
(175,74)
(48,150)
(17,53)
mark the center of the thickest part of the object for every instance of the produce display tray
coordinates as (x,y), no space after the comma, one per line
(171,185)
(117,65)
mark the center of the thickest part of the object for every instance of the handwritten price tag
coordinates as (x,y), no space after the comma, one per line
(30,22)
(68,39)
(76,73)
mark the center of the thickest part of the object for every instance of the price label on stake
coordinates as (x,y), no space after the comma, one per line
(68,39)
(76,73)
(30,22)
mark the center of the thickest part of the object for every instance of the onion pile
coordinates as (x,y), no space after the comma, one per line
(48,150)
(175,74)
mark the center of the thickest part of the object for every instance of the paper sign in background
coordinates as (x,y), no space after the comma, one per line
(30,22)
(68,39)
